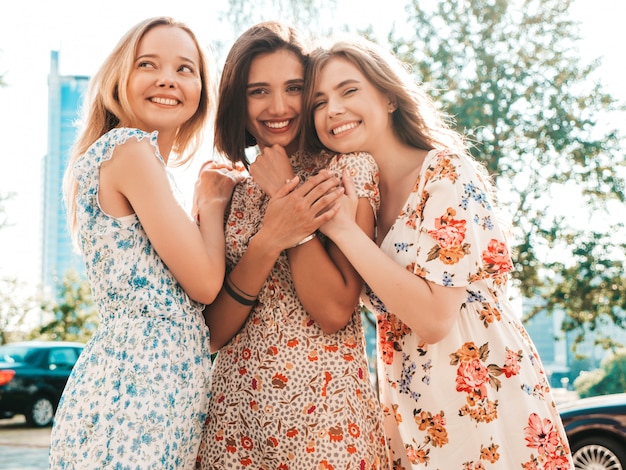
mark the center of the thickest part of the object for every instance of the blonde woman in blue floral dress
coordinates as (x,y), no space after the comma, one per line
(138,395)
(462,386)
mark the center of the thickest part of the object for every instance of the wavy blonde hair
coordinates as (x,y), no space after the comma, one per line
(106,105)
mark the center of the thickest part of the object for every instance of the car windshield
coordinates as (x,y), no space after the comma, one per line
(14,354)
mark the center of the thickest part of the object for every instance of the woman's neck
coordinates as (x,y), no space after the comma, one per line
(165,142)
(396,160)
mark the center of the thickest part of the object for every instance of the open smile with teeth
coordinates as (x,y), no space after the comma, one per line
(165,101)
(277,124)
(344,128)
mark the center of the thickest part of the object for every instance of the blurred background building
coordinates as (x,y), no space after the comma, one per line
(65,97)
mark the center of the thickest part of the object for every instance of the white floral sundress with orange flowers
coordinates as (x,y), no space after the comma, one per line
(478,399)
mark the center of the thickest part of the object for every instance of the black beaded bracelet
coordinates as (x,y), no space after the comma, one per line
(236,297)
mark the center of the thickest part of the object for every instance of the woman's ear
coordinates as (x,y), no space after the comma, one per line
(392,105)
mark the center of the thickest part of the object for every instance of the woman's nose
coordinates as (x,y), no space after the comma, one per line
(335,107)
(278,104)
(166,79)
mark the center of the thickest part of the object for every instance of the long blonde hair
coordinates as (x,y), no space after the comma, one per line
(107,106)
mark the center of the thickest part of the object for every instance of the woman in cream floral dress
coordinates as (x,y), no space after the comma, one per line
(461,383)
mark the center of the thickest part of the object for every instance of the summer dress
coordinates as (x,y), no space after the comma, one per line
(137,396)
(478,399)
(286,396)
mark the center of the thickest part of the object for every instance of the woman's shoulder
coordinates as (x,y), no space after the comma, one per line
(448,156)
(120,135)
(102,149)
(355,161)
(350,157)
(127,137)
(246,191)
(455,164)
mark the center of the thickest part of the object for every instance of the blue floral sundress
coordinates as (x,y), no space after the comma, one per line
(138,395)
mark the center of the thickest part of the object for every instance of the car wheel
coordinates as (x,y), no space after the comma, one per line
(41,413)
(600,453)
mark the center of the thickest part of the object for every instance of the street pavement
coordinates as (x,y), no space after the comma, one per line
(23,447)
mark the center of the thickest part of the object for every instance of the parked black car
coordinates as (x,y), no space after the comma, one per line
(32,377)
(596,429)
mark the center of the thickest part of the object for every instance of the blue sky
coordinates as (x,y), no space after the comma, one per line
(83,34)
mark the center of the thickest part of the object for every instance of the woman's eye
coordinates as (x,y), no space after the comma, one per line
(145,64)
(349,91)
(319,104)
(185,68)
(294,89)
(257,91)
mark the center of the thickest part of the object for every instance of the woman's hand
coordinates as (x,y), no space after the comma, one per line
(296,212)
(346,209)
(215,184)
(271,169)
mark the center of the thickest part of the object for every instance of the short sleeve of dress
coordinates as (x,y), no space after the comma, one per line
(459,239)
(364,173)
(102,149)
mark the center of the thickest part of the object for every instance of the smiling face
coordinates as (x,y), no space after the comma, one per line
(164,86)
(274,99)
(350,114)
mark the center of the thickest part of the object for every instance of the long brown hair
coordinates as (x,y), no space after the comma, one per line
(231,136)
(416,121)
(107,106)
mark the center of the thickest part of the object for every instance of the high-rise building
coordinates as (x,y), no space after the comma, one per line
(65,97)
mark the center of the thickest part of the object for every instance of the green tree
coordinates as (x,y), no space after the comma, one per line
(304,14)
(74,316)
(4,219)
(609,378)
(509,73)
(15,305)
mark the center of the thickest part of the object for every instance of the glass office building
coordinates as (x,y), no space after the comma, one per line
(65,96)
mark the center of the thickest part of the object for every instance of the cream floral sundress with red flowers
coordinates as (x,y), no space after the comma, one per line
(286,396)
(478,399)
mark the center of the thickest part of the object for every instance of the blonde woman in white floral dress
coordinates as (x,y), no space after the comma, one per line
(462,386)
(137,396)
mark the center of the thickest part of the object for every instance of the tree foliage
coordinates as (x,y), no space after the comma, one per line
(74,316)
(310,17)
(15,305)
(509,73)
(609,378)
(4,219)
(305,14)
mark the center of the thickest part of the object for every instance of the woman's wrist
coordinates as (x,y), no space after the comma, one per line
(265,242)
(306,239)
